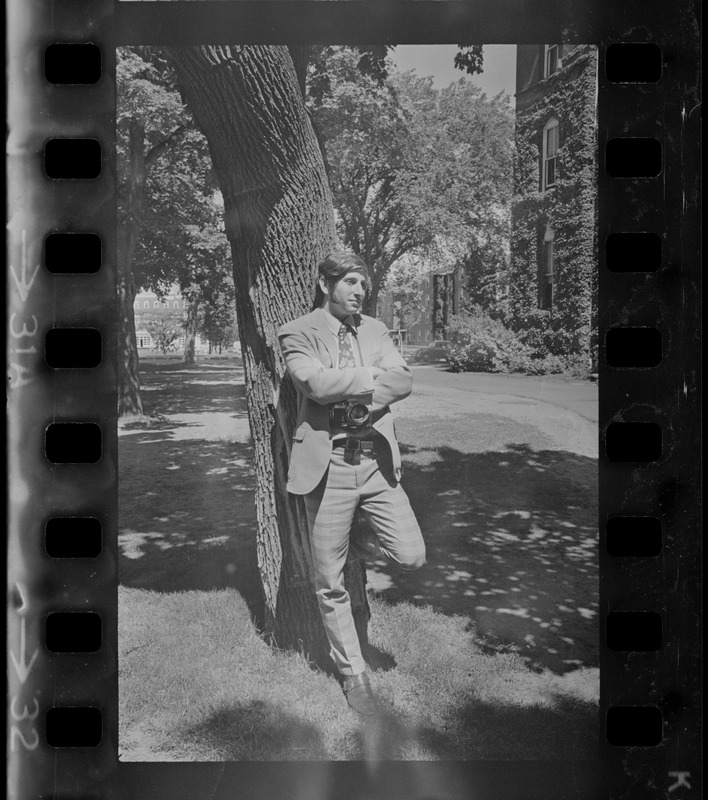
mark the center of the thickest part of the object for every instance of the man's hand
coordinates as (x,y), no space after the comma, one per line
(377,372)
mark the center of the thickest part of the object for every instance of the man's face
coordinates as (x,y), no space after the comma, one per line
(346,297)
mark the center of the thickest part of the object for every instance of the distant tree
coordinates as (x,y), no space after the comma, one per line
(203,275)
(409,165)
(486,270)
(365,135)
(218,324)
(150,118)
(405,282)
(457,189)
(183,243)
(168,222)
(165,327)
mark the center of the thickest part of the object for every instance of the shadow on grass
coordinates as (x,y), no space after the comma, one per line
(256,731)
(187,516)
(511,543)
(511,538)
(261,731)
(511,534)
(176,388)
(565,730)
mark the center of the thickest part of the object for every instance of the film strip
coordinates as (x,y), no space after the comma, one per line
(62,329)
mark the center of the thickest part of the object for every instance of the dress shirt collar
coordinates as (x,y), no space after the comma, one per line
(352,322)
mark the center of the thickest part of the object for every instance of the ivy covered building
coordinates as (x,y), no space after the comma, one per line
(553,269)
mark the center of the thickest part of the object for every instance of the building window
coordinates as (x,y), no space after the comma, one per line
(156,304)
(546,272)
(146,304)
(175,304)
(551,62)
(549,161)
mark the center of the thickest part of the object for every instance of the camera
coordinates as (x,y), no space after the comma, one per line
(350,415)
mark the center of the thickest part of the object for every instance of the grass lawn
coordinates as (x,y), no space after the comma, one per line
(492,646)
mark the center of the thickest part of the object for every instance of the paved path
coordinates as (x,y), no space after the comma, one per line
(574,395)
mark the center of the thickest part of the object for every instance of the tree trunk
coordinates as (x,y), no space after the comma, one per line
(279,221)
(439,307)
(129,400)
(190,338)
(372,298)
(128,379)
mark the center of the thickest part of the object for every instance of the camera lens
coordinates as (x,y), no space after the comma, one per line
(358,413)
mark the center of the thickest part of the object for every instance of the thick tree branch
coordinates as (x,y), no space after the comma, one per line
(157,150)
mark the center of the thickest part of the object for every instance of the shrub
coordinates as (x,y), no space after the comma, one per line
(482,343)
(546,334)
(537,365)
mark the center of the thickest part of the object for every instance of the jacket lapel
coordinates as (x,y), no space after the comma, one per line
(324,336)
(366,344)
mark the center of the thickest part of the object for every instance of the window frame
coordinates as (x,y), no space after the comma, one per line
(553,124)
(547,271)
(548,51)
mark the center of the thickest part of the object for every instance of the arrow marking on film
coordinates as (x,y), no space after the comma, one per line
(21,594)
(23,285)
(22,668)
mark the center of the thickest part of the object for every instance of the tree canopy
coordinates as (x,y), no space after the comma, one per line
(170,221)
(182,237)
(412,168)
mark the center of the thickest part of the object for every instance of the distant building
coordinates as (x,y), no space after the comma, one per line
(440,294)
(553,269)
(415,326)
(148,304)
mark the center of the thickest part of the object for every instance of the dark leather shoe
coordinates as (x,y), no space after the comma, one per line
(360,697)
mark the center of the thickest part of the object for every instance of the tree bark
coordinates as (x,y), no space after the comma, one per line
(190,339)
(279,221)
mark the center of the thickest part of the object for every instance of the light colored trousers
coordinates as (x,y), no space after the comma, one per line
(351,482)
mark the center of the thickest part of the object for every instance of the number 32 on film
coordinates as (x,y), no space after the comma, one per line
(23,734)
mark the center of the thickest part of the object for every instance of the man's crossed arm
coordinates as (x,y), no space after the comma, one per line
(380,385)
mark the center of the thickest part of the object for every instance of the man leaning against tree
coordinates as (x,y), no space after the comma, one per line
(345,456)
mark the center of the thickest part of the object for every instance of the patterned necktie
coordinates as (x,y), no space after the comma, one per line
(346,354)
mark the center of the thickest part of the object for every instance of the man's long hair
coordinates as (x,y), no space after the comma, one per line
(333,267)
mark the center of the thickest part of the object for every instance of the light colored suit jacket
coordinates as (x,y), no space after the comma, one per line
(311,353)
